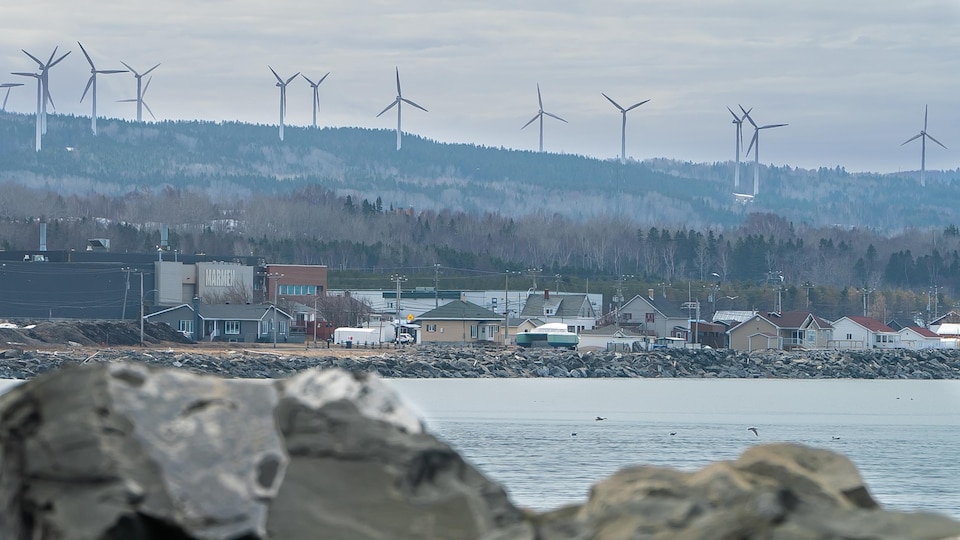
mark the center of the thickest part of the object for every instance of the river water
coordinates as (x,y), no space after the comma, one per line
(903,436)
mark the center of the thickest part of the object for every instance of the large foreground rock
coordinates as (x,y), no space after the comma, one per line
(126,451)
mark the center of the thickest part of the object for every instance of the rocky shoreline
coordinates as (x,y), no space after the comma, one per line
(467,362)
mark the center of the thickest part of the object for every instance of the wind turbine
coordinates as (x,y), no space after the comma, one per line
(92,82)
(282,85)
(398,103)
(316,95)
(39,101)
(755,145)
(738,120)
(923,136)
(623,128)
(540,115)
(8,86)
(45,83)
(141,90)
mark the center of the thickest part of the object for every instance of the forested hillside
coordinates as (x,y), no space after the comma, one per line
(346,198)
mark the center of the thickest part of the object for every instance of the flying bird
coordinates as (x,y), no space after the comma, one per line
(754,430)
(599,418)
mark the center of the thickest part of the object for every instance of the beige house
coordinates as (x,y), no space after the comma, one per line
(460,322)
(787,330)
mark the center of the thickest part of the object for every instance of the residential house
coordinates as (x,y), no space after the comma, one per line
(863,333)
(654,316)
(947,324)
(228,322)
(460,322)
(787,330)
(917,337)
(571,309)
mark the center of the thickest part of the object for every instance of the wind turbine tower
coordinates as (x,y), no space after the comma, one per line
(92,84)
(540,114)
(398,103)
(316,95)
(141,90)
(8,86)
(923,136)
(755,145)
(623,127)
(738,121)
(282,85)
(45,84)
(39,121)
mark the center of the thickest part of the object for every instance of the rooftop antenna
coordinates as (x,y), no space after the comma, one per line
(316,95)
(923,136)
(282,85)
(397,102)
(738,121)
(8,86)
(39,122)
(92,84)
(540,114)
(45,84)
(141,90)
(623,128)
(755,145)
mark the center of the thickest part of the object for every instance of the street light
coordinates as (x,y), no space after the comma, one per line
(276,300)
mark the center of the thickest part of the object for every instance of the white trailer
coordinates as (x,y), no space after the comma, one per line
(356,336)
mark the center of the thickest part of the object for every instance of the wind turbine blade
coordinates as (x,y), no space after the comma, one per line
(924,117)
(58,60)
(46,93)
(532,120)
(135,74)
(145,88)
(746,114)
(934,140)
(151,69)
(736,119)
(54,53)
(311,83)
(635,105)
(35,59)
(768,126)
(322,79)
(539,97)
(551,115)
(10,84)
(398,82)
(752,141)
(279,80)
(390,106)
(89,61)
(147,107)
(111,71)
(414,104)
(615,104)
(22,74)
(89,84)
(295,75)
(127,100)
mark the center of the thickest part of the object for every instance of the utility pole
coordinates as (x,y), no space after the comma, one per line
(276,300)
(534,272)
(506,306)
(807,286)
(436,285)
(398,279)
(123,311)
(618,300)
(142,295)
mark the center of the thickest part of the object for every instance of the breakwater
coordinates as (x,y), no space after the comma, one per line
(468,362)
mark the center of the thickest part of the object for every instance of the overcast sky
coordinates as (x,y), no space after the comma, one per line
(851,77)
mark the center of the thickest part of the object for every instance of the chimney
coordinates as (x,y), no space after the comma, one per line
(546,294)
(43,236)
(650,293)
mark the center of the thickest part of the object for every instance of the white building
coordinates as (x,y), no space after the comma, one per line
(863,333)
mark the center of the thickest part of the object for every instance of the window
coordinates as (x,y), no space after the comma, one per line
(849,336)
(299,290)
(431,328)
(474,331)
(649,317)
(185,326)
(231,328)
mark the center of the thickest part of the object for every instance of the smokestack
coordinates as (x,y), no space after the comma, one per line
(546,294)
(650,293)
(43,236)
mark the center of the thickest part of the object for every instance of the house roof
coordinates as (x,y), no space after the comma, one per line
(732,315)
(517,321)
(237,312)
(948,329)
(795,319)
(458,310)
(948,317)
(610,330)
(925,332)
(562,305)
(662,305)
(872,324)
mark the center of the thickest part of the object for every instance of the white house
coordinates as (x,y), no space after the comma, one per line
(916,337)
(574,310)
(863,333)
